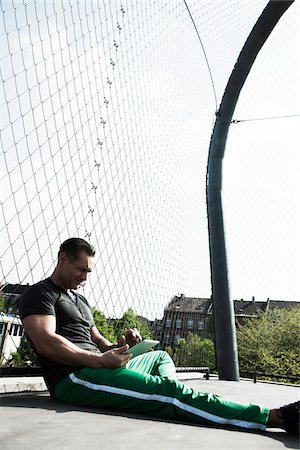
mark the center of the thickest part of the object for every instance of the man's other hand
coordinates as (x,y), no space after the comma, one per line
(131,337)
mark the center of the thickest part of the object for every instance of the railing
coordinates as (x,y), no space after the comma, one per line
(20,371)
(275,376)
(205,370)
(29,371)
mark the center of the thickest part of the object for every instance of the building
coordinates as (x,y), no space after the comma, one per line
(11,294)
(11,327)
(185,315)
(244,309)
(11,333)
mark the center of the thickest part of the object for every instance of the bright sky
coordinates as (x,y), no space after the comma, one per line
(106,117)
(261,172)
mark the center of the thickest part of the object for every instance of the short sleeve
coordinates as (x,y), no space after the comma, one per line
(37,300)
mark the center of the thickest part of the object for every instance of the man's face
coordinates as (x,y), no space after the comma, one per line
(74,272)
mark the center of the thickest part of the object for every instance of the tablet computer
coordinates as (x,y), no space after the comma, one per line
(142,347)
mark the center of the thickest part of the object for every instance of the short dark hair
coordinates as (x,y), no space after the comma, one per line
(73,246)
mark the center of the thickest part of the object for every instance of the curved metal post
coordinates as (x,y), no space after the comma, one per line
(227,356)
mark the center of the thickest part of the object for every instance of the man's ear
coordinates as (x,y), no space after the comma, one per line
(63,257)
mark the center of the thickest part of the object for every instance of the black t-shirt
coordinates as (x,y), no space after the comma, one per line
(74,321)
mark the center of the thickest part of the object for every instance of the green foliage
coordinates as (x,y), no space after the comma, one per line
(270,343)
(128,320)
(170,351)
(131,320)
(103,326)
(23,356)
(3,307)
(209,328)
(195,351)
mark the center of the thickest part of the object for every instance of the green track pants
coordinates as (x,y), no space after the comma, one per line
(148,385)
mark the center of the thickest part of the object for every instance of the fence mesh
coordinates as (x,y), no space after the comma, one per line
(106,116)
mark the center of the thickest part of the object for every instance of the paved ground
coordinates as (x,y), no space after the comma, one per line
(32,421)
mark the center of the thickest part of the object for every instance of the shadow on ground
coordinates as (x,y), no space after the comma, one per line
(35,421)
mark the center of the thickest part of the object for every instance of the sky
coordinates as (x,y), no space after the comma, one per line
(261,186)
(106,115)
(261,167)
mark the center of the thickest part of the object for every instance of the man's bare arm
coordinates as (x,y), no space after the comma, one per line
(102,343)
(41,330)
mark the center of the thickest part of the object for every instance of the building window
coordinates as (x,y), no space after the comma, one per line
(200,324)
(167,338)
(177,338)
(178,323)
(190,324)
(168,323)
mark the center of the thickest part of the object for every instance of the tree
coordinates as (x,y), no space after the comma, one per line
(24,355)
(103,326)
(170,351)
(209,328)
(195,351)
(3,307)
(131,320)
(270,343)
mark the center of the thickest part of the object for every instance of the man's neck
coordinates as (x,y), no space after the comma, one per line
(55,278)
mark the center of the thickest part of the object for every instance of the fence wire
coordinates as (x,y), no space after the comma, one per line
(106,116)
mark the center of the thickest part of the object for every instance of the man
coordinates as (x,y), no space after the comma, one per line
(82,367)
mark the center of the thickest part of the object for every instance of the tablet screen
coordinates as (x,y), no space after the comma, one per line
(142,347)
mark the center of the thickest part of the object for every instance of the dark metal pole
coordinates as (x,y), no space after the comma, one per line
(226,346)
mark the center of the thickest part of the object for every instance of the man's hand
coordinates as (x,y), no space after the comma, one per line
(131,337)
(113,358)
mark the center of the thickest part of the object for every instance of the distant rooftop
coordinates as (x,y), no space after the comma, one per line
(16,289)
(241,307)
(188,304)
(253,307)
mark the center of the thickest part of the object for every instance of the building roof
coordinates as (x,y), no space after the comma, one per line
(253,307)
(246,308)
(282,304)
(189,304)
(18,289)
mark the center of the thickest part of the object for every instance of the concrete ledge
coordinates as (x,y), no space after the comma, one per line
(22,384)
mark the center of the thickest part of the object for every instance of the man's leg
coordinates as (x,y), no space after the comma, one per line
(124,389)
(154,363)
